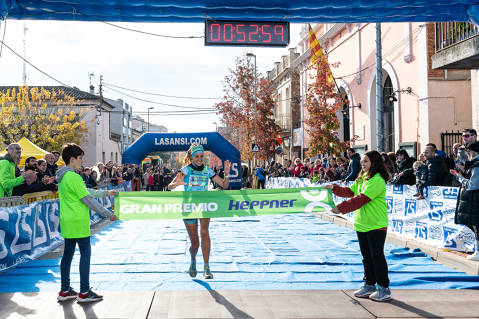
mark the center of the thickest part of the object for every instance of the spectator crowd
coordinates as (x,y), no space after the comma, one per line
(433,167)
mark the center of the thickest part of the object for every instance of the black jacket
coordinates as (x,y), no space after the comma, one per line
(405,168)
(421,174)
(51,170)
(437,173)
(354,167)
(467,208)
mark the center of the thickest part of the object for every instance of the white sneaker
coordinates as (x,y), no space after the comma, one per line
(365,291)
(382,294)
(474,256)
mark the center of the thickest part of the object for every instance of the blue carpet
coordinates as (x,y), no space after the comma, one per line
(296,251)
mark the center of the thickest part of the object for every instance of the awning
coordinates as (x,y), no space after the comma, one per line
(199,10)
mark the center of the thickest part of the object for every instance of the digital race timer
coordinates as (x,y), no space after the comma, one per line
(246,33)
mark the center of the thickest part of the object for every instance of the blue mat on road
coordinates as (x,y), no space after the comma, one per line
(296,251)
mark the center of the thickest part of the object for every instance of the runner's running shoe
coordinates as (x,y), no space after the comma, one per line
(207,273)
(67,295)
(90,296)
(192,271)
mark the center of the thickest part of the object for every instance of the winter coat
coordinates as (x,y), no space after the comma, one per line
(7,176)
(354,168)
(437,173)
(467,208)
(404,172)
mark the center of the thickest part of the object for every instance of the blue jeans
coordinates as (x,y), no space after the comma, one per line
(65,265)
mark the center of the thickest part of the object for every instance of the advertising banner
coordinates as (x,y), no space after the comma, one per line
(430,220)
(29,231)
(184,205)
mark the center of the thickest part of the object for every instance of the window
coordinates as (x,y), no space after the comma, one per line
(103,157)
(111,156)
(116,157)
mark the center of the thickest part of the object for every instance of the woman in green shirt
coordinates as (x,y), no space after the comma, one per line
(368,201)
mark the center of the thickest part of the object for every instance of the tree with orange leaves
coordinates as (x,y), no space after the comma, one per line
(323,101)
(237,110)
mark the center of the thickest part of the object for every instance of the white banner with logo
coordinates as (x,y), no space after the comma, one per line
(297,136)
(430,221)
(29,231)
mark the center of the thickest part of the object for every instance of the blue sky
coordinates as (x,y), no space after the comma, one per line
(183,67)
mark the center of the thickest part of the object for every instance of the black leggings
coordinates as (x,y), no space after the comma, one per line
(475,230)
(371,244)
(261,184)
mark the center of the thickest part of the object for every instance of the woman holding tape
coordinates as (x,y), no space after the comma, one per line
(368,201)
(195,176)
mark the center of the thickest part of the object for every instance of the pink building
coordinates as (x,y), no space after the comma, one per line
(419,103)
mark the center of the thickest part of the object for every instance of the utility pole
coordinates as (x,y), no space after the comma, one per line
(24,53)
(101,87)
(379,91)
(255,116)
(150,108)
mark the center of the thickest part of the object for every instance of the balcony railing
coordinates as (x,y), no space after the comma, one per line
(451,33)
(284,121)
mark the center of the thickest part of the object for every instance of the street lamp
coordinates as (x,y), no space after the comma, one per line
(249,55)
(150,108)
(216,126)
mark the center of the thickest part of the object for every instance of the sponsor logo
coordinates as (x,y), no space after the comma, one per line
(397,226)
(409,207)
(421,230)
(168,208)
(390,204)
(398,189)
(450,193)
(180,140)
(449,233)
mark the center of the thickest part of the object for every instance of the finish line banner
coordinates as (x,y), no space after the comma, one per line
(181,205)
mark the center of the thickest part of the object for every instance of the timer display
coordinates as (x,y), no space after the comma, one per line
(246,33)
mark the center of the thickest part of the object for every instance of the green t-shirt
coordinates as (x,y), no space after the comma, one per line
(74,215)
(373,215)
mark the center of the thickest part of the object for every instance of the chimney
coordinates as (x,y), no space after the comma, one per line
(92,89)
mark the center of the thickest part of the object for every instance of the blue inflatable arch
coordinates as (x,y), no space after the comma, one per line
(177,142)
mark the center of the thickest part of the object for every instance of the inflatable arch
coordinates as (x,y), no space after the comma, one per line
(174,142)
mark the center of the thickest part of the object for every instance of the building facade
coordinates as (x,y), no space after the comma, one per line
(120,122)
(285,77)
(418,103)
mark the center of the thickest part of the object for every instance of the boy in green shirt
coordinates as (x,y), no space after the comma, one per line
(75,204)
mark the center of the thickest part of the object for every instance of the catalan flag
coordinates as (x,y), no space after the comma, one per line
(317,54)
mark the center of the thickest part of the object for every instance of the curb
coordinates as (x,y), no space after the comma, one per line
(438,254)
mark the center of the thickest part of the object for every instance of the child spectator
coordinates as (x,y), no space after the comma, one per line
(75,202)
(420,170)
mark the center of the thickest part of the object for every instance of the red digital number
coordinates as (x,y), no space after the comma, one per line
(281,33)
(231,32)
(240,33)
(266,33)
(256,32)
(212,32)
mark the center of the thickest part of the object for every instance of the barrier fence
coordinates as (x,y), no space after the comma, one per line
(430,221)
(31,230)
